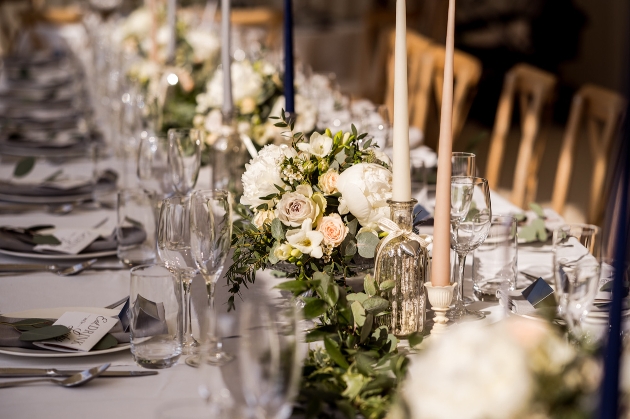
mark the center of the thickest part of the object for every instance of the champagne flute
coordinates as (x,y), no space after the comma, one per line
(463,164)
(175,252)
(210,238)
(471,215)
(184,158)
(153,170)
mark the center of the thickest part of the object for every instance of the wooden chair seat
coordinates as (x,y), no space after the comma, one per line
(534,89)
(602,111)
(263,17)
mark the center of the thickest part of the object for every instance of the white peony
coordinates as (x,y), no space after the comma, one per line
(319,145)
(205,44)
(470,373)
(365,189)
(262,173)
(247,84)
(306,240)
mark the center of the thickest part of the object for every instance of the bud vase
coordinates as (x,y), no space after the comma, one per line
(402,257)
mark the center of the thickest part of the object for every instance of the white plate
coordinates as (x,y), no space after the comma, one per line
(44,256)
(59,199)
(53,313)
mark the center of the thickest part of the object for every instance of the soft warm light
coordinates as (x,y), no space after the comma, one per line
(172,79)
(239,55)
(336,122)
(126,98)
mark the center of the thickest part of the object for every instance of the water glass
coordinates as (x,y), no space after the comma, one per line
(136,227)
(573,244)
(463,164)
(153,171)
(583,281)
(184,158)
(154,316)
(495,260)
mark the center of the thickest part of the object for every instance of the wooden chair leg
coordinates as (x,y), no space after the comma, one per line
(500,131)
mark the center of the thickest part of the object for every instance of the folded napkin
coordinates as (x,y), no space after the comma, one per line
(108,179)
(22,241)
(11,337)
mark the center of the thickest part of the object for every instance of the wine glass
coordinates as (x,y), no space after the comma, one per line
(270,355)
(184,158)
(210,238)
(573,244)
(471,216)
(583,281)
(175,251)
(153,171)
(462,164)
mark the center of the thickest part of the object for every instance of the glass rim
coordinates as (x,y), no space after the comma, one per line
(462,153)
(133,270)
(583,226)
(475,179)
(180,197)
(213,192)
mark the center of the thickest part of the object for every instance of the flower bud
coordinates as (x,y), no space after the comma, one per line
(323,166)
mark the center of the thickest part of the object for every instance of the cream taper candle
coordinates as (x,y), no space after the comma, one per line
(441,266)
(401,182)
(226,58)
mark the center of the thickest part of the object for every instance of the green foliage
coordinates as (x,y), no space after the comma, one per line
(359,367)
(24,167)
(535,230)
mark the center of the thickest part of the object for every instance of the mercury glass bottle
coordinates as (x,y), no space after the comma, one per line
(403,259)
(228,158)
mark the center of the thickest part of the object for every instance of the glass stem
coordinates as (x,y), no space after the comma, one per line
(461,263)
(188,337)
(212,331)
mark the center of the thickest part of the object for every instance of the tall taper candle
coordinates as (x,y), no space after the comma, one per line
(289,92)
(401,182)
(441,267)
(226,57)
(171,21)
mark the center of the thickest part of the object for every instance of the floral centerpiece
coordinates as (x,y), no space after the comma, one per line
(313,205)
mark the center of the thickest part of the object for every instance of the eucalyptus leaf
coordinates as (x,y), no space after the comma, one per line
(277,231)
(350,249)
(537,209)
(28,324)
(528,234)
(335,354)
(295,286)
(375,305)
(366,330)
(369,285)
(44,333)
(357,296)
(24,167)
(541,231)
(387,285)
(415,339)
(358,312)
(106,342)
(45,239)
(314,308)
(366,244)
(352,227)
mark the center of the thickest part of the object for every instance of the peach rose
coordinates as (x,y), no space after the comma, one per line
(328,182)
(333,229)
(264,216)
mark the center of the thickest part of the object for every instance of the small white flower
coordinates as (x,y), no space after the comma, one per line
(262,173)
(319,145)
(283,252)
(306,240)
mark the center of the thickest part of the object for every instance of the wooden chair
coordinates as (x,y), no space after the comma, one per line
(263,17)
(602,111)
(419,73)
(534,89)
(466,74)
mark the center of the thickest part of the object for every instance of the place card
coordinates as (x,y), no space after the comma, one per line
(540,294)
(86,330)
(148,318)
(73,241)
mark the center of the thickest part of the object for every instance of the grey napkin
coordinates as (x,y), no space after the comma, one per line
(49,190)
(15,242)
(11,337)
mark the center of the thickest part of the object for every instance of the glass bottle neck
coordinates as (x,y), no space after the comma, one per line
(402,213)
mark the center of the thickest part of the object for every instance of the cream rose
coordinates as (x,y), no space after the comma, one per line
(328,182)
(294,208)
(333,229)
(264,216)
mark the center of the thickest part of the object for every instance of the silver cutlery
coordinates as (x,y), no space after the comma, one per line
(113,305)
(61,271)
(72,381)
(52,372)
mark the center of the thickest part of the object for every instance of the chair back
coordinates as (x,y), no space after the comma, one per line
(534,88)
(601,111)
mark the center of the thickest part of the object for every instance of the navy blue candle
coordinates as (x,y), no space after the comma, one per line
(289,90)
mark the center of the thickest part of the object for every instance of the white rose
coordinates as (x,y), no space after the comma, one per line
(306,240)
(365,189)
(295,207)
(283,252)
(319,145)
(328,182)
(264,216)
(333,229)
(205,44)
(262,173)
(490,379)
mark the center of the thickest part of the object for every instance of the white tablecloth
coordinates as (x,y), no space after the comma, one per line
(137,397)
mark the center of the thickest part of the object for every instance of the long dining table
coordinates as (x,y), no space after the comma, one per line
(140,397)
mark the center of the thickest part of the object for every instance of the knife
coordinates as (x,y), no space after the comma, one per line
(52,372)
